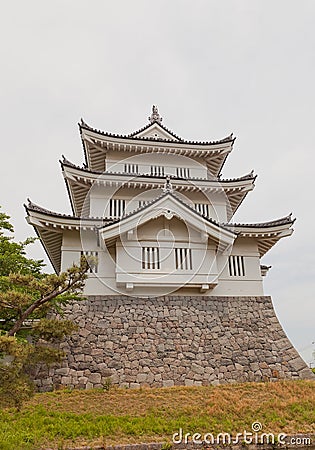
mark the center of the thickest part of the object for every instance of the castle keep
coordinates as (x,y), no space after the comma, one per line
(175,290)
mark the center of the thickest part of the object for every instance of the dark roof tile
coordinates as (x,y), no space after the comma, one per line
(66,162)
(33,207)
(84,125)
(273,223)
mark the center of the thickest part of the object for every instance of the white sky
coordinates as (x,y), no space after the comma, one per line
(212,67)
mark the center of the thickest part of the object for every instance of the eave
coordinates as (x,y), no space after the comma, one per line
(267,234)
(50,226)
(79,182)
(96,144)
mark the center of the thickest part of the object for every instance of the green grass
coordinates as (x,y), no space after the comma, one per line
(66,418)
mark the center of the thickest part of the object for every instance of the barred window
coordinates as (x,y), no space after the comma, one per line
(142,203)
(203,208)
(131,168)
(116,207)
(150,258)
(183,259)
(183,172)
(236,266)
(92,260)
(157,171)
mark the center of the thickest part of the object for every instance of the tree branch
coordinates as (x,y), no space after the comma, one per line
(43,300)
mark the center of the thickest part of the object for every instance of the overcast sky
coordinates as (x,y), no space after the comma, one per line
(212,67)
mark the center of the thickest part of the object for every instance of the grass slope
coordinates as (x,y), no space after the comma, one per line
(63,418)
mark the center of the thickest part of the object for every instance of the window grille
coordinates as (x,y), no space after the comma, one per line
(150,258)
(142,203)
(157,171)
(116,207)
(183,172)
(203,208)
(183,258)
(131,168)
(236,266)
(92,260)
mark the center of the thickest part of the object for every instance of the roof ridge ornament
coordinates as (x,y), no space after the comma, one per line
(155,116)
(168,188)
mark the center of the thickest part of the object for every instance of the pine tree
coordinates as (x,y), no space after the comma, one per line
(31,323)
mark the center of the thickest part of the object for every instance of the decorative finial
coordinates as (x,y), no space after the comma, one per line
(155,116)
(168,188)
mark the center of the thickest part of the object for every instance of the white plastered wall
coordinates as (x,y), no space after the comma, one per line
(206,261)
(100,196)
(249,284)
(115,162)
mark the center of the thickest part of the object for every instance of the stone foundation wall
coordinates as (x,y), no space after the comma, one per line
(167,341)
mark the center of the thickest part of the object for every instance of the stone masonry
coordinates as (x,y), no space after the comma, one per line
(168,341)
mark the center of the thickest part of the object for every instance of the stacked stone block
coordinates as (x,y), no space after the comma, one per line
(172,341)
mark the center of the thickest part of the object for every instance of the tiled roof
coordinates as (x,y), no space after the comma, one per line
(40,209)
(227,226)
(273,223)
(248,176)
(66,162)
(33,207)
(84,125)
